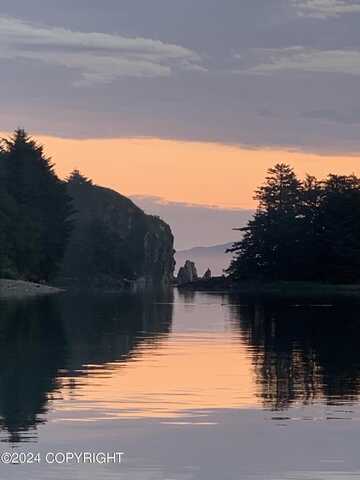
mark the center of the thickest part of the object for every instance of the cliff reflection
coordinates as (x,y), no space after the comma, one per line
(302,353)
(105,329)
(45,341)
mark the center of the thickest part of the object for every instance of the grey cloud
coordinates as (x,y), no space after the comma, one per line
(144,80)
(350,117)
(298,58)
(326,8)
(100,57)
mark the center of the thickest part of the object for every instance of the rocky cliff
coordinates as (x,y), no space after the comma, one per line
(114,241)
(187,273)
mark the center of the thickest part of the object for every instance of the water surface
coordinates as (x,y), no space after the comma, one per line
(189,386)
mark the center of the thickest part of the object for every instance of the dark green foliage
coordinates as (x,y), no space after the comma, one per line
(339,228)
(113,239)
(54,229)
(306,230)
(8,212)
(34,211)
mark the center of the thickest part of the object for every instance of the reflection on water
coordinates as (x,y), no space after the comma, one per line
(48,344)
(302,353)
(32,348)
(138,368)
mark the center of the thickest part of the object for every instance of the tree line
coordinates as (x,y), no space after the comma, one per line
(72,230)
(303,230)
(35,211)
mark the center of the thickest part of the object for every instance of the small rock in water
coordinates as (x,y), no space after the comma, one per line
(187,273)
(207,274)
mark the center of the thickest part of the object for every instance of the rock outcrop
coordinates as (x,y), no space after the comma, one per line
(207,275)
(114,241)
(187,273)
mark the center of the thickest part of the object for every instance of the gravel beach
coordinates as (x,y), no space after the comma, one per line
(20,289)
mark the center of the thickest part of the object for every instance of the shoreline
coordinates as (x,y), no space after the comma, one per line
(22,289)
(274,290)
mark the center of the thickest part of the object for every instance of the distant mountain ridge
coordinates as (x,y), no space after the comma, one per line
(213,257)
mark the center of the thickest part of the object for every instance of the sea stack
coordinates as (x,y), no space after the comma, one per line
(187,273)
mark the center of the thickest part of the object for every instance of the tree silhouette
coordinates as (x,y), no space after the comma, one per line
(266,251)
(35,209)
(307,230)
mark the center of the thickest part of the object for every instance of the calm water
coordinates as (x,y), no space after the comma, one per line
(190,387)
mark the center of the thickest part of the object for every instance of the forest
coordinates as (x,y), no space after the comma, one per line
(303,230)
(35,211)
(71,230)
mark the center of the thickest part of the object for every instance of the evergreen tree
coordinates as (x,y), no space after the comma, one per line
(269,247)
(78,179)
(339,223)
(7,213)
(306,230)
(40,222)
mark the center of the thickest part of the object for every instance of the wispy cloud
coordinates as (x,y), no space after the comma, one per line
(301,59)
(326,8)
(98,57)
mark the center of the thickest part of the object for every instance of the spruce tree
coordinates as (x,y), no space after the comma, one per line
(40,225)
(269,248)
(306,230)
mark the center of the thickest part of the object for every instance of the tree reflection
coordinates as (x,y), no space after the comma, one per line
(302,353)
(46,339)
(32,349)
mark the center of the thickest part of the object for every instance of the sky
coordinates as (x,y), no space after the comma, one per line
(181,104)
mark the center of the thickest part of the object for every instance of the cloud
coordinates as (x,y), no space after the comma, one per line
(326,8)
(196,225)
(345,117)
(272,60)
(98,57)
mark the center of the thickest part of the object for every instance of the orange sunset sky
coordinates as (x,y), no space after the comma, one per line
(191,172)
